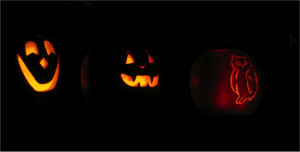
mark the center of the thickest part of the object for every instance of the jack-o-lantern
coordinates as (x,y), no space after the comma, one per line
(141,78)
(226,83)
(131,86)
(31,48)
(33,73)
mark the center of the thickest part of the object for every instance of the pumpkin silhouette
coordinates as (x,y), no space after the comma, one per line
(126,85)
(226,83)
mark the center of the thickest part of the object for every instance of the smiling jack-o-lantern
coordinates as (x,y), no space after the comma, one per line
(226,83)
(131,84)
(31,48)
(32,73)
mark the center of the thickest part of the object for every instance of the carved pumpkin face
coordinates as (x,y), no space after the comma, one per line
(226,83)
(139,72)
(34,72)
(134,82)
(36,53)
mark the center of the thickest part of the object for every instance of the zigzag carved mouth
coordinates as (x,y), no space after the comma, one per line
(143,80)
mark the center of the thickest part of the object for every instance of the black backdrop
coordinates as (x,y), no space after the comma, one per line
(178,33)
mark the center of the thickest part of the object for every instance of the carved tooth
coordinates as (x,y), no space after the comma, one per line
(133,77)
(151,77)
(154,83)
(139,84)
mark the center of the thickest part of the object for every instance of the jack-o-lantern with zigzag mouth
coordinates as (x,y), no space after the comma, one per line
(133,74)
(132,83)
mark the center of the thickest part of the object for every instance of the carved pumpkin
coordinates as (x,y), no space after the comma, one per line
(132,85)
(226,83)
(34,73)
(140,80)
(31,48)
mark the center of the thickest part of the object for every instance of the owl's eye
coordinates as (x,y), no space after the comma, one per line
(238,63)
(129,59)
(245,62)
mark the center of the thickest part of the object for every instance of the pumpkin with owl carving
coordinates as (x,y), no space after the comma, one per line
(226,83)
(128,84)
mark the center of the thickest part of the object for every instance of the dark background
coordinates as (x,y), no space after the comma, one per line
(178,33)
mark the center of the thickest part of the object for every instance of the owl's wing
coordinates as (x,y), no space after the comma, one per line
(251,83)
(233,80)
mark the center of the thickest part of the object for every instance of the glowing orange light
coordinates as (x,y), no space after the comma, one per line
(49,47)
(249,74)
(44,63)
(150,59)
(129,59)
(32,81)
(142,66)
(251,79)
(143,80)
(30,47)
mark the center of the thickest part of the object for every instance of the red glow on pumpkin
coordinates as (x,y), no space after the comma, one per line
(221,100)
(83,78)
(194,82)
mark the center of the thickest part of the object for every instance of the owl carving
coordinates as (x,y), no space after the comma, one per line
(243,79)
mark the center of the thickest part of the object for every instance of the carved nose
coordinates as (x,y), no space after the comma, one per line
(142,66)
(44,63)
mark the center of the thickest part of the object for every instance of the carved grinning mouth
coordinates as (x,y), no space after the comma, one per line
(32,81)
(143,80)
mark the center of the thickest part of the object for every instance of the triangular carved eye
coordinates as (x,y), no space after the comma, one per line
(30,47)
(150,59)
(49,47)
(129,59)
